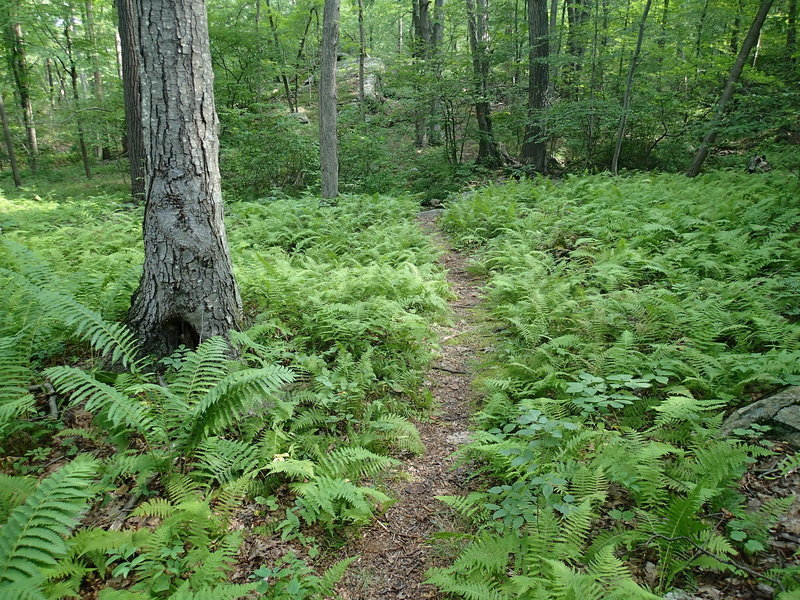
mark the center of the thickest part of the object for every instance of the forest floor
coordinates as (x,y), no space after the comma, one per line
(395,550)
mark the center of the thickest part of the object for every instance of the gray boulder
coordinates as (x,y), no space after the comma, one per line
(780,411)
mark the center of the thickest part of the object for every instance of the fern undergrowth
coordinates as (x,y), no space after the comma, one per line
(635,312)
(300,431)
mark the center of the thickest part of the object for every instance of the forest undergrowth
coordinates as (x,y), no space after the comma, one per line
(635,313)
(126,478)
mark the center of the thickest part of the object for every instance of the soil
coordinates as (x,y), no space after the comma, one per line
(395,551)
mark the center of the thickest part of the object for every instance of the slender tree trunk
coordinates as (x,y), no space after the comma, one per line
(9,142)
(132,95)
(97,78)
(662,37)
(700,26)
(626,102)
(711,134)
(515,37)
(420,19)
(51,88)
(19,68)
(362,54)
(791,29)
(118,53)
(534,148)
(400,35)
(281,58)
(737,24)
(437,38)
(757,51)
(477,22)
(554,49)
(187,292)
(300,51)
(73,75)
(328,141)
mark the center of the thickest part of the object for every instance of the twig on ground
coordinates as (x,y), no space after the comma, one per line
(453,371)
(51,399)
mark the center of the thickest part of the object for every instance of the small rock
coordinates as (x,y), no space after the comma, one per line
(765,591)
(780,411)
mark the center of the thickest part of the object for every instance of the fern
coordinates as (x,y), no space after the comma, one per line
(32,537)
(119,409)
(15,376)
(233,396)
(113,340)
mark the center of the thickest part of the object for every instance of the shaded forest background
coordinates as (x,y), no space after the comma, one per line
(411,124)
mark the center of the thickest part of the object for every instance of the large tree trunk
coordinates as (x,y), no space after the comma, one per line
(478,25)
(132,96)
(19,68)
(736,71)
(626,101)
(534,148)
(187,292)
(9,143)
(328,140)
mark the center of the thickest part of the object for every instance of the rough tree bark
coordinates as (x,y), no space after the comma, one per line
(711,134)
(9,143)
(132,96)
(478,25)
(626,101)
(328,141)
(534,148)
(187,292)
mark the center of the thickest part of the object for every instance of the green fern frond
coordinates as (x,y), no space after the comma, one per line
(15,377)
(457,585)
(399,431)
(233,396)
(157,507)
(32,537)
(471,506)
(21,591)
(489,554)
(121,410)
(13,492)
(113,340)
(333,574)
(355,462)
(293,468)
(222,460)
(200,370)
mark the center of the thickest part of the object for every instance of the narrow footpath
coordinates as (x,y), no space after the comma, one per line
(394,550)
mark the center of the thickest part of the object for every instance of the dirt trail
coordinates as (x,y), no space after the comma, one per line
(394,551)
